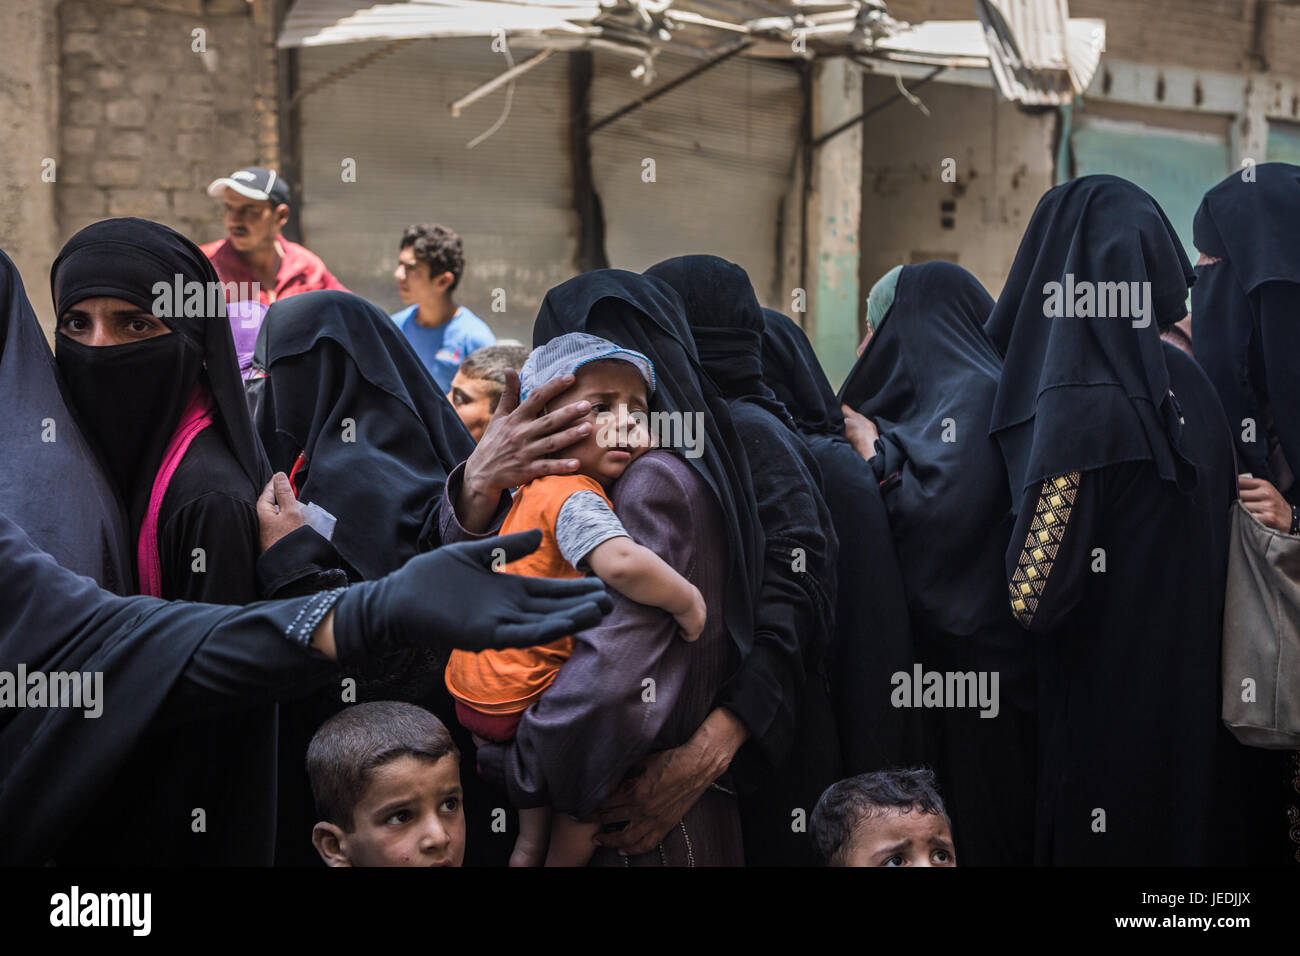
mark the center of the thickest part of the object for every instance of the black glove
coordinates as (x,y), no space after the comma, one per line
(451,598)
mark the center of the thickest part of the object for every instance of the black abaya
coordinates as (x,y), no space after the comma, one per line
(1120,467)
(165,667)
(345,406)
(781,693)
(873,634)
(927,378)
(1244,330)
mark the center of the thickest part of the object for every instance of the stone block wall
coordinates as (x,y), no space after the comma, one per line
(152,111)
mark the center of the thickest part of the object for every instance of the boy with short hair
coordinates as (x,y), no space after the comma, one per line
(386,780)
(477,386)
(580,531)
(430,262)
(887,818)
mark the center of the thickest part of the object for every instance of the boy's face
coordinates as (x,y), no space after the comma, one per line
(410,815)
(414,281)
(472,398)
(896,838)
(617,392)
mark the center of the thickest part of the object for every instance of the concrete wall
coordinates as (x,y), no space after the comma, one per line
(109,110)
(1003,160)
(29,107)
(148,120)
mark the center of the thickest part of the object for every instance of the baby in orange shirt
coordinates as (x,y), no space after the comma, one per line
(492,689)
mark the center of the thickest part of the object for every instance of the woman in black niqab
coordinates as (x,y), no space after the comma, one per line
(167,416)
(1120,469)
(165,412)
(873,634)
(636,314)
(347,409)
(344,407)
(927,378)
(1244,305)
(781,693)
(703,514)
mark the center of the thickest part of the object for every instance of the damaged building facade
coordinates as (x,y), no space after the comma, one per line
(816,143)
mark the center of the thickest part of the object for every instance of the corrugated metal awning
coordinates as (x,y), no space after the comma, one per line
(1037,54)
(328,22)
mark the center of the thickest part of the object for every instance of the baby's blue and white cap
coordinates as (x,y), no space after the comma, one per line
(569,352)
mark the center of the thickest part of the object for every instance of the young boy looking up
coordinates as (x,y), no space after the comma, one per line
(386,780)
(580,532)
(887,818)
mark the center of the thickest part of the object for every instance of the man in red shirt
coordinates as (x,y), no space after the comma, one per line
(262,264)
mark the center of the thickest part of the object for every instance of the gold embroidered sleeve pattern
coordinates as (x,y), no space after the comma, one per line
(1055,501)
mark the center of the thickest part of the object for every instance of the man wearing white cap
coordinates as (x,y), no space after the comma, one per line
(255,256)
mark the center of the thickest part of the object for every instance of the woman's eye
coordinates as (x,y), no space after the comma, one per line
(72,324)
(140,326)
(600,407)
(942,856)
(895,860)
(450,805)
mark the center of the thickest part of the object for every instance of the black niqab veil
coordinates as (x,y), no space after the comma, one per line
(796,377)
(345,389)
(873,632)
(1252,225)
(646,315)
(727,324)
(127,259)
(1077,393)
(927,378)
(44,448)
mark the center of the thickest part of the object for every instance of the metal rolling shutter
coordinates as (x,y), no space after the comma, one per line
(724,145)
(509,198)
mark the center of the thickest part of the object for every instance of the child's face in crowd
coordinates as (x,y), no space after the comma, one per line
(472,399)
(901,839)
(616,391)
(410,815)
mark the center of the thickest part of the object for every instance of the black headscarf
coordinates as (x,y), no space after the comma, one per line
(727,324)
(1078,394)
(1251,224)
(82,526)
(796,377)
(130,397)
(346,389)
(644,314)
(927,378)
(873,632)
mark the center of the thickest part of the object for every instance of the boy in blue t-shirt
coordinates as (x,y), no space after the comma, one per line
(442,333)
